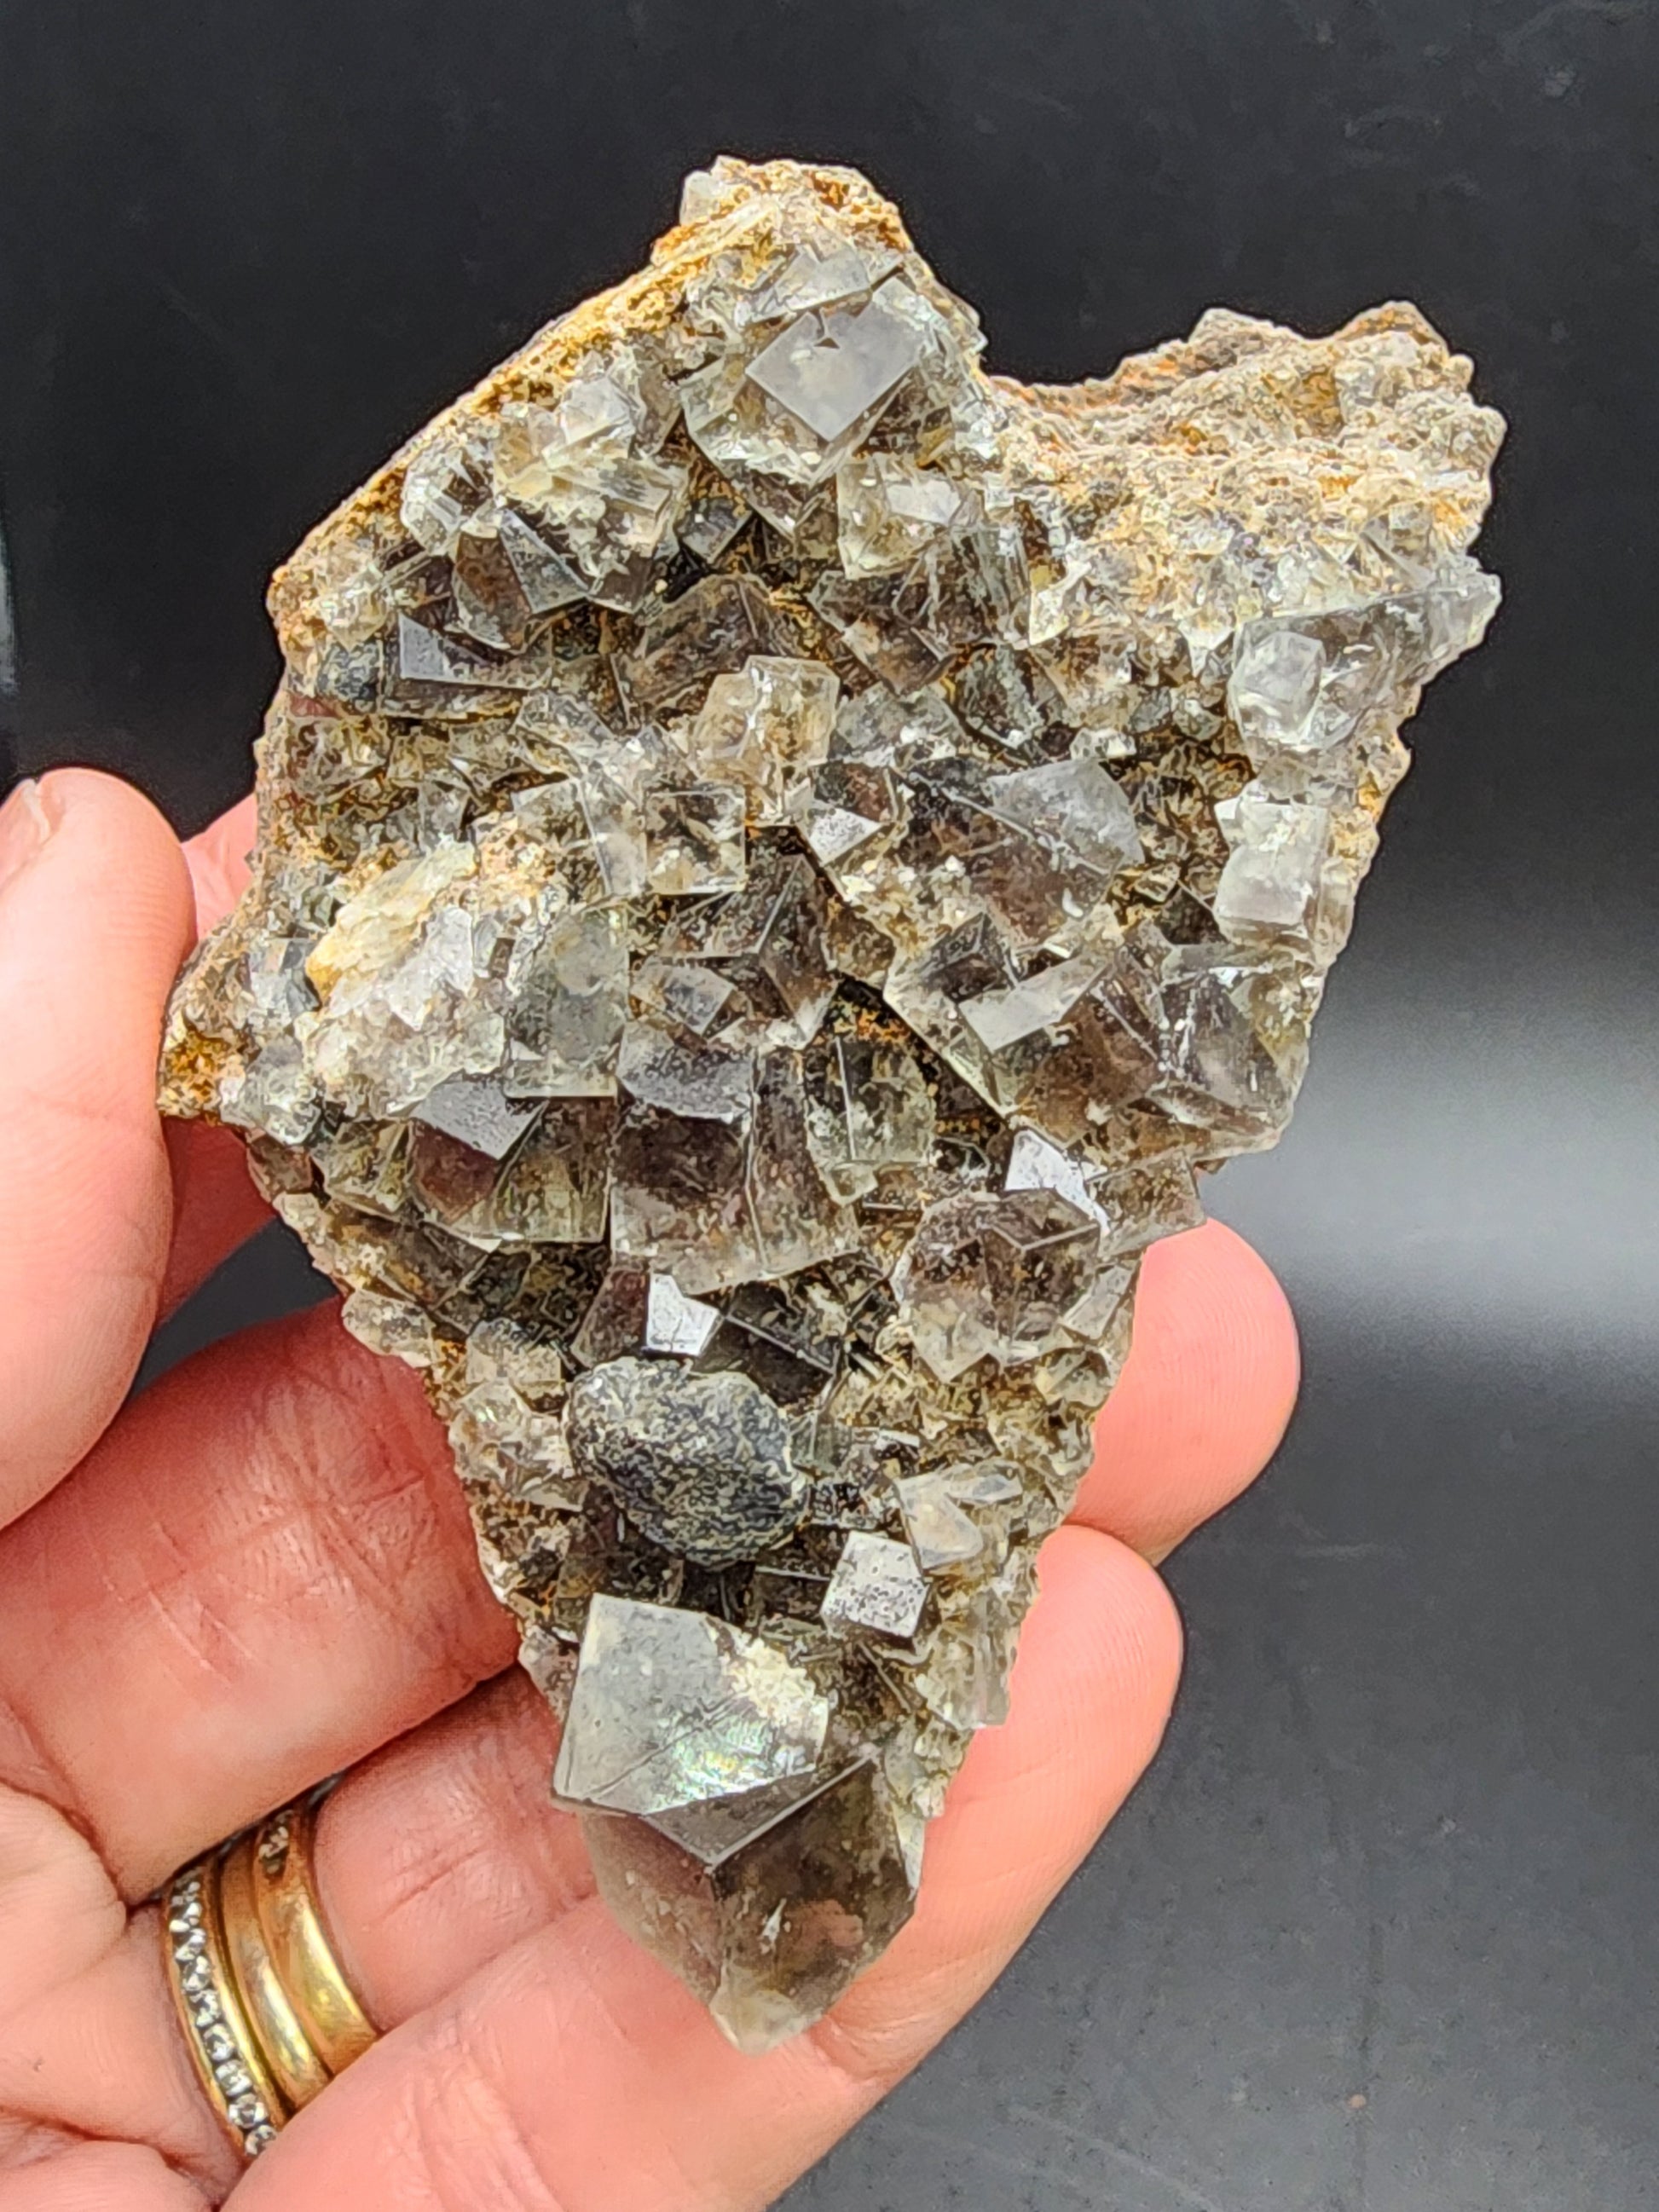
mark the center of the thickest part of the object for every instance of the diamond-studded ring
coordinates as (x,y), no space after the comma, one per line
(268,2013)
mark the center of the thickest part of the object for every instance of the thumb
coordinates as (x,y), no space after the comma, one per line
(95,915)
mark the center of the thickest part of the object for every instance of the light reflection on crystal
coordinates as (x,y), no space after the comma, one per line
(673,1709)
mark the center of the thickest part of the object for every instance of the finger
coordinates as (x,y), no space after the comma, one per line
(218,860)
(262,1573)
(266,1572)
(95,918)
(66,2176)
(443,1855)
(1206,1394)
(574,2071)
(216,1206)
(444,1849)
(86,2043)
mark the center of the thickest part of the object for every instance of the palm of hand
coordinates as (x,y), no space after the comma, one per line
(261,1572)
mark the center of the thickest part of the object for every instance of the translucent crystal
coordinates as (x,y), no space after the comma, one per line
(704,1081)
(769,940)
(613,809)
(942,1535)
(882,623)
(569,1004)
(276,980)
(710,630)
(868,1108)
(880,725)
(1074,806)
(993,1276)
(391,1326)
(544,579)
(1271,884)
(774,716)
(443,485)
(275,1095)
(710,525)
(477,1112)
(1216,1071)
(1273,693)
(781,859)
(679,1198)
(673,1709)
(890,511)
(878,1588)
(970,962)
(964,1680)
(694,839)
(352,599)
(506,1351)
(971,584)
(610,511)
(499,1439)
(684,995)
(614,1324)
(424,660)
(674,1322)
(822,270)
(1037,848)
(1068,1040)
(1152,1199)
(841,808)
(832,371)
(1301,684)
(788,1345)
(553,1189)
(771,460)
(768,1905)
(1002,698)
(365,1165)
(796,1219)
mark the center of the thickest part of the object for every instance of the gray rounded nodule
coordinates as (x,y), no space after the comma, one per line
(701,1462)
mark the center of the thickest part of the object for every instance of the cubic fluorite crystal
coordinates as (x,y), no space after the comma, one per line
(781,859)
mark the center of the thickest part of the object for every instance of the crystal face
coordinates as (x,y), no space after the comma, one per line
(783,859)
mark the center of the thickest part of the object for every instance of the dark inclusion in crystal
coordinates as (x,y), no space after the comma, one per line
(781,859)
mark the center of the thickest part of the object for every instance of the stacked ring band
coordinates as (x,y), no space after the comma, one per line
(268,2016)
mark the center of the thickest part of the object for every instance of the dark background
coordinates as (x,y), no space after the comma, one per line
(1378,1934)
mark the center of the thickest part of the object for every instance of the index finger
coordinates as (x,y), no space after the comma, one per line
(216,1206)
(218,862)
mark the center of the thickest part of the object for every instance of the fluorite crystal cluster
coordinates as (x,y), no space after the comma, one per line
(782,857)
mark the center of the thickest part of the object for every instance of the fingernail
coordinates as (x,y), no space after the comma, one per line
(25,826)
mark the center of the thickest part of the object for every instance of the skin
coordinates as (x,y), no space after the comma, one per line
(261,1572)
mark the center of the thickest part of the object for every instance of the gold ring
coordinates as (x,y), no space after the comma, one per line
(268,2016)
(290,1920)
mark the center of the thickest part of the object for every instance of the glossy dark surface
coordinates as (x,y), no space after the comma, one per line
(1400,1848)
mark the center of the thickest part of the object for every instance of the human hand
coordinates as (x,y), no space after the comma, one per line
(261,1572)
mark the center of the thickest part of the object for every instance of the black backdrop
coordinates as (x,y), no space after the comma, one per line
(1377,1935)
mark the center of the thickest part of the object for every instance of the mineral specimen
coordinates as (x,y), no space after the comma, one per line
(782,857)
